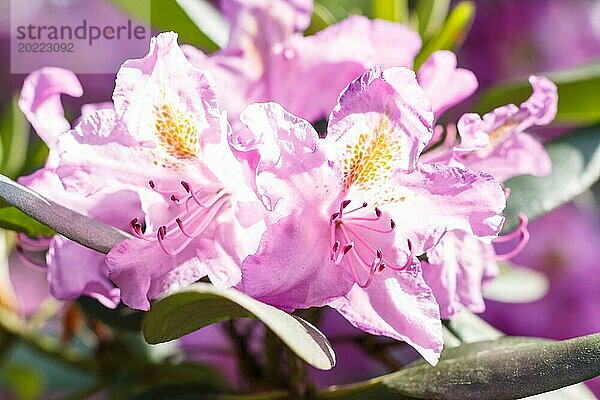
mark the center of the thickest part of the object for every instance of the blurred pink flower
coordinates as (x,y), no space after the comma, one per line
(338,244)
(460,265)
(498,143)
(268,58)
(444,83)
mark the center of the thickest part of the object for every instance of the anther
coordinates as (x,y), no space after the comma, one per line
(336,246)
(348,247)
(162,232)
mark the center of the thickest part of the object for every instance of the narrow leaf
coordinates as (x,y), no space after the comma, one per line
(578,94)
(575,168)
(320,20)
(431,15)
(203,304)
(452,34)
(391,10)
(14,131)
(507,368)
(79,228)
(15,220)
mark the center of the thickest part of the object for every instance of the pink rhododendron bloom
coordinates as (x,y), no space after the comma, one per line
(73,270)
(499,144)
(359,207)
(460,265)
(166,140)
(268,58)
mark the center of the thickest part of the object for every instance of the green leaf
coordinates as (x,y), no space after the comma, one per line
(321,19)
(507,368)
(391,10)
(15,220)
(14,131)
(23,381)
(517,284)
(452,34)
(77,227)
(578,95)
(203,304)
(172,15)
(575,168)
(37,153)
(431,15)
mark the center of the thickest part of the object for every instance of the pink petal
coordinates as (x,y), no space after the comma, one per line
(284,154)
(379,99)
(399,305)
(445,84)
(457,270)
(521,154)
(509,151)
(74,270)
(441,199)
(292,268)
(307,73)
(41,104)
(164,77)
(143,271)
(265,20)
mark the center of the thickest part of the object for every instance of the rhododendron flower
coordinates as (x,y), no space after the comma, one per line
(359,207)
(498,143)
(268,59)
(72,269)
(460,265)
(166,139)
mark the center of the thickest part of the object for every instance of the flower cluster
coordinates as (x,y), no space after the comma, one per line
(214,167)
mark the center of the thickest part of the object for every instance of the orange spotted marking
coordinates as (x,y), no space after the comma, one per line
(176,131)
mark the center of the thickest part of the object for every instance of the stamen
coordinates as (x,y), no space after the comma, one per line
(343,239)
(343,205)
(364,205)
(391,229)
(160,190)
(201,208)
(137,231)
(523,238)
(377,217)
